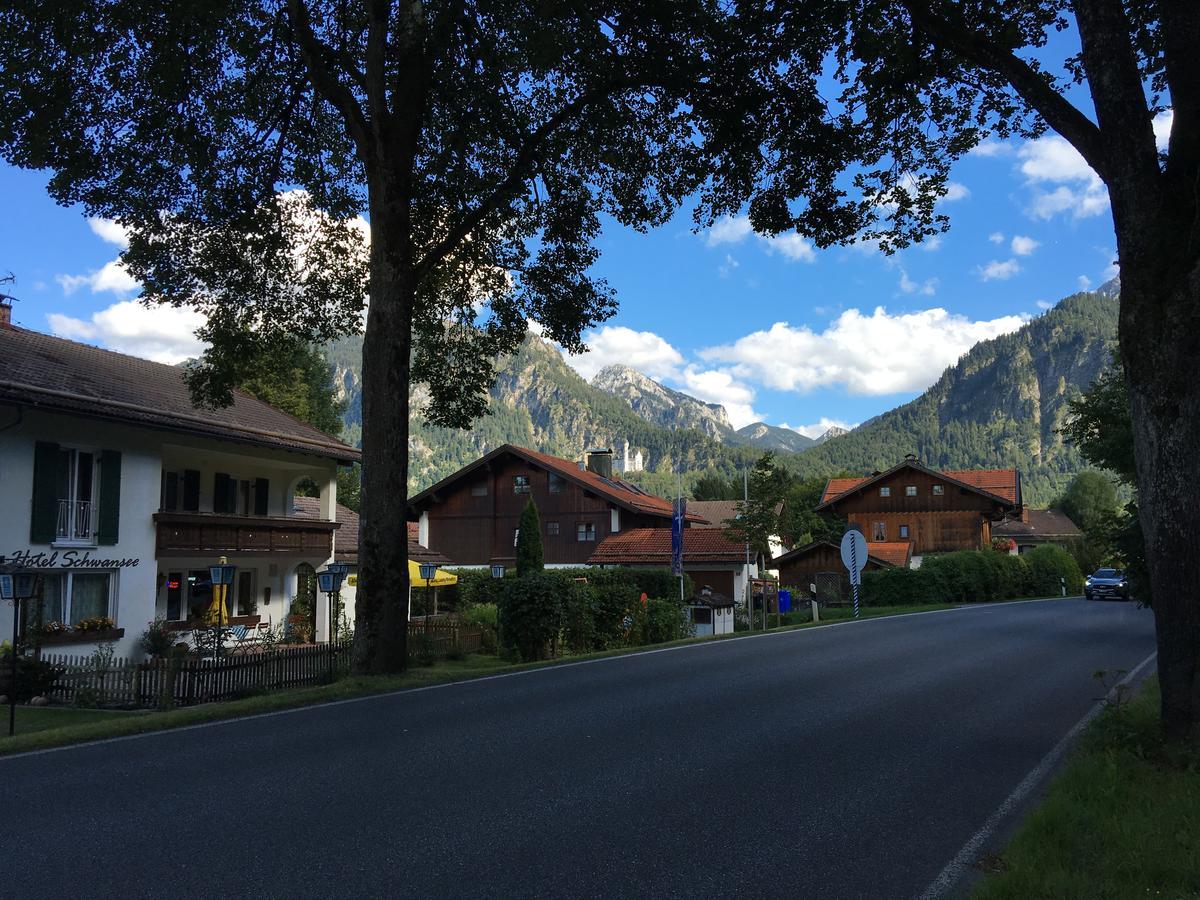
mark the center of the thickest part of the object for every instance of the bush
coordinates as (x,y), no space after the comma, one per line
(35,678)
(973,576)
(531,614)
(658,621)
(157,641)
(1049,563)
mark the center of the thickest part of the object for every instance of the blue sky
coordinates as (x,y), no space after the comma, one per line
(773,329)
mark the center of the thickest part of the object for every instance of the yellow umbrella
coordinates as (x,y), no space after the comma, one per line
(218,612)
(441,579)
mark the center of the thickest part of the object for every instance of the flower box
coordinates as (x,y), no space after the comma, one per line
(81,637)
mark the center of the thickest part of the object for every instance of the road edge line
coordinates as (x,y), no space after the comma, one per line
(954,871)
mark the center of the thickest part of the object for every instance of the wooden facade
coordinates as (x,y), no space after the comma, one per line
(800,567)
(195,534)
(472,517)
(933,511)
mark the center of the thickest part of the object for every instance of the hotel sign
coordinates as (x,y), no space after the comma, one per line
(64,559)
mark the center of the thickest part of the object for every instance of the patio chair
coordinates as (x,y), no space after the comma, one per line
(184,637)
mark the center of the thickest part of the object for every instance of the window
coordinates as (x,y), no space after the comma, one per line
(702,615)
(910,490)
(879,531)
(903,531)
(552,529)
(247,603)
(557,483)
(77,483)
(885,492)
(585,531)
(74,596)
(520,484)
(938,490)
(516,536)
(479,489)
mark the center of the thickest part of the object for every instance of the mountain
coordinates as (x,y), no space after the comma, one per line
(1000,405)
(659,405)
(772,437)
(830,433)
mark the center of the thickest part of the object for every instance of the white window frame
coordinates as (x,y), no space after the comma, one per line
(885,492)
(67,512)
(585,532)
(939,490)
(910,490)
(68,576)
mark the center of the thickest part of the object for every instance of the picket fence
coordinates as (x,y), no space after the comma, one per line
(192,679)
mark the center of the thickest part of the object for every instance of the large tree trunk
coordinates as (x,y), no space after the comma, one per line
(381,608)
(1160,343)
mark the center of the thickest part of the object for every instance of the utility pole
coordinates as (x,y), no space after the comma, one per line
(746,567)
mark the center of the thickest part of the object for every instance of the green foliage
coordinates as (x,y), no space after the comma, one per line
(349,487)
(293,376)
(1047,564)
(758,517)
(530,614)
(1090,500)
(486,617)
(35,678)
(157,641)
(973,576)
(711,486)
(658,621)
(530,557)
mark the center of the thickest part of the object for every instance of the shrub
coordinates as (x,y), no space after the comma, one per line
(35,678)
(531,614)
(530,558)
(156,641)
(658,621)
(579,620)
(1049,563)
(485,615)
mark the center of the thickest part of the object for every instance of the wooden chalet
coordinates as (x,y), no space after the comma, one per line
(472,516)
(1036,527)
(710,558)
(820,563)
(931,510)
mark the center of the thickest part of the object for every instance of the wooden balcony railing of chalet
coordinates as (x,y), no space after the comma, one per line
(204,534)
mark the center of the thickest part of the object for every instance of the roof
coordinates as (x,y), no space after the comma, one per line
(706,596)
(347,535)
(894,553)
(617,491)
(652,546)
(1002,485)
(886,547)
(1043,524)
(51,373)
(718,512)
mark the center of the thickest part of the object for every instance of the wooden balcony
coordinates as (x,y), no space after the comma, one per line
(207,534)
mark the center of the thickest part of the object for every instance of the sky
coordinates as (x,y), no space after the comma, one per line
(773,329)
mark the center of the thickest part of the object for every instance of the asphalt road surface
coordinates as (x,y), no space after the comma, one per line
(850,761)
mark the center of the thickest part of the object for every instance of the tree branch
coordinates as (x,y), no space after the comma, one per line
(326,82)
(1059,113)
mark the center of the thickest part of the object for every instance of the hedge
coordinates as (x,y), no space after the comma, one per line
(974,576)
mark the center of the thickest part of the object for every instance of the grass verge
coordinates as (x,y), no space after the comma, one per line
(1121,821)
(106,725)
(32,719)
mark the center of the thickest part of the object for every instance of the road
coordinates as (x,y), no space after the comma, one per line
(849,761)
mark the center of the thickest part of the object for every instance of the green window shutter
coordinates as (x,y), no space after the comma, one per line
(110,497)
(43,519)
(262,494)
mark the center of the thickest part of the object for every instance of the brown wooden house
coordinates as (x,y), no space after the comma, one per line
(933,511)
(472,516)
(820,563)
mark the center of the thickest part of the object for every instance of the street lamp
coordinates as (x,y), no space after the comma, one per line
(330,583)
(497,570)
(221,576)
(428,573)
(13,589)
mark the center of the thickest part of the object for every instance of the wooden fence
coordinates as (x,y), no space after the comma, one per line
(192,679)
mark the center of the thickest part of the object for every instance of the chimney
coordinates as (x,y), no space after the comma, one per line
(600,462)
(5,314)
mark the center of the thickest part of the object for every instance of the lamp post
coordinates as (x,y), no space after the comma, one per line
(14,588)
(330,583)
(221,576)
(428,573)
(497,570)
(341,569)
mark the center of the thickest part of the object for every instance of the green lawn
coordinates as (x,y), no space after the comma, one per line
(44,718)
(1121,821)
(107,725)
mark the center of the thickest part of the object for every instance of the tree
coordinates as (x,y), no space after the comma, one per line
(712,486)
(246,144)
(918,83)
(530,558)
(758,517)
(295,377)
(1090,500)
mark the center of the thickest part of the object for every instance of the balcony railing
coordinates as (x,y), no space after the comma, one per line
(76,520)
(202,534)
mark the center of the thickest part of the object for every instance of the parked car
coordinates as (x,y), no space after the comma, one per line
(1106,584)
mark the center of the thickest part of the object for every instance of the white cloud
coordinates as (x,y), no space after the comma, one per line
(729,230)
(926,288)
(817,429)
(992,148)
(1023,246)
(929,245)
(728,266)
(110,231)
(876,354)
(956,191)
(161,333)
(1084,282)
(998,271)
(996,237)
(643,350)
(793,247)
(1078,190)
(1112,270)
(721,386)
(1044,304)
(112,277)
(1162,128)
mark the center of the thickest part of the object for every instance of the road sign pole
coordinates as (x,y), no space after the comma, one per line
(854,589)
(854,576)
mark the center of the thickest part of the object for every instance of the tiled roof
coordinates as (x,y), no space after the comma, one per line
(616,490)
(1043,523)
(718,512)
(895,553)
(652,546)
(1004,484)
(51,373)
(347,534)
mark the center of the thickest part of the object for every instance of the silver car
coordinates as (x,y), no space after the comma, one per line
(1106,584)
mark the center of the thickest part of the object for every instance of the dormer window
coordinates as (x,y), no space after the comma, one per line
(520,484)
(557,483)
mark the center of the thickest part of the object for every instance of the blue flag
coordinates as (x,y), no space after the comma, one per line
(677,517)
